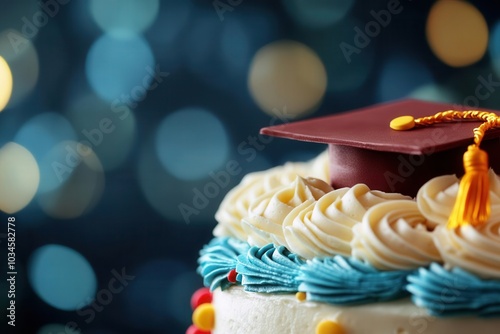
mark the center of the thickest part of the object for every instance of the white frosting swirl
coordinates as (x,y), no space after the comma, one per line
(437,197)
(324,228)
(266,214)
(237,201)
(394,236)
(475,249)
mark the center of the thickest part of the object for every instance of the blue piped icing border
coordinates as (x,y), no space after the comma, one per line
(340,280)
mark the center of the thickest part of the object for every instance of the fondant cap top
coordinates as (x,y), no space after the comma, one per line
(364,149)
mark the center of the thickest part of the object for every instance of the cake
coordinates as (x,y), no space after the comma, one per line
(385,232)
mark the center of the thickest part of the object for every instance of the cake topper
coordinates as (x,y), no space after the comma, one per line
(364,149)
(473,200)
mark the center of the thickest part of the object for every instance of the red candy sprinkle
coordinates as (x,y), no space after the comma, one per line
(231,277)
(195,330)
(201,296)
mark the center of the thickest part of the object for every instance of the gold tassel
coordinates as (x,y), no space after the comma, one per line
(472,205)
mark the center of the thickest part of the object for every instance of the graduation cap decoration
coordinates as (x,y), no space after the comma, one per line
(364,147)
(473,200)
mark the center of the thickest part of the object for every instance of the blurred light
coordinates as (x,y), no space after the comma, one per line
(62,277)
(19,177)
(109,129)
(494,47)
(172,19)
(260,162)
(57,329)
(200,42)
(17,10)
(125,17)
(435,93)
(148,296)
(39,135)
(21,55)
(347,70)
(457,32)
(317,13)
(298,156)
(5,83)
(235,45)
(220,54)
(287,74)
(117,68)
(81,172)
(167,199)
(191,142)
(400,76)
(81,23)
(181,289)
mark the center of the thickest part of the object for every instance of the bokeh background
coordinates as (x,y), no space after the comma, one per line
(128,121)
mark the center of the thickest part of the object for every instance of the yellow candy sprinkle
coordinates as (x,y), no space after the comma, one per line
(204,317)
(301,296)
(402,123)
(329,327)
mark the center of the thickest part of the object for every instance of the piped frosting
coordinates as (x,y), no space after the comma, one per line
(264,221)
(437,197)
(475,249)
(394,236)
(324,228)
(237,201)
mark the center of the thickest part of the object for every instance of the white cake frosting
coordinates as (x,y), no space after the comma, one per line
(242,312)
(476,249)
(237,201)
(437,196)
(264,220)
(324,228)
(394,236)
(389,232)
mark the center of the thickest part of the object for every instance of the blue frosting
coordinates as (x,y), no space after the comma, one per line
(269,269)
(346,281)
(217,259)
(454,292)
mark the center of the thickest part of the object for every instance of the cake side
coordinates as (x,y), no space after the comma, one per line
(238,311)
(291,254)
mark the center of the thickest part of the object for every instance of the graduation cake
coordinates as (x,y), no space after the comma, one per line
(394,230)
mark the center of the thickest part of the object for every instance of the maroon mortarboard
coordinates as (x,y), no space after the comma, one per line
(364,149)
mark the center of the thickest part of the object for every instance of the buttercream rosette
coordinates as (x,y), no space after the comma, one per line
(237,201)
(437,197)
(473,248)
(263,223)
(324,228)
(394,235)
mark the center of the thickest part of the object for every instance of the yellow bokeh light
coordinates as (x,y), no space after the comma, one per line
(19,177)
(287,79)
(457,32)
(5,83)
(84,182)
